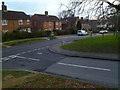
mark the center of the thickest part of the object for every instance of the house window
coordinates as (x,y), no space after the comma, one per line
(29,30)
(60,23)
(45,23)
(35,24)
(50,23)
(4,31)
(56,23)
(20,22)
(50,29)
(28,21)
(56,28)
(4,22)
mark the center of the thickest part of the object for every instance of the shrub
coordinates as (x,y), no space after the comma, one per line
(23,35)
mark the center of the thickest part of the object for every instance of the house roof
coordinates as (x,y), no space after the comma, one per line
(69,19)
(14,15)
(47,18)
(92,23)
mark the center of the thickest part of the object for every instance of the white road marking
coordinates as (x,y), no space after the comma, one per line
(34,49)
(5,58)
(28,58)
(29,51)
(39,53)
(13,56)
(80,66)
(16,55)
(23,52)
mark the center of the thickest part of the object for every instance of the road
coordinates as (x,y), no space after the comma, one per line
(37,57)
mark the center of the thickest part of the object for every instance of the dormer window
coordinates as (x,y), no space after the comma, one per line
(4,22)
(20,22)
(28,21)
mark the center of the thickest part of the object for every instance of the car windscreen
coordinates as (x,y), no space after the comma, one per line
(79,31)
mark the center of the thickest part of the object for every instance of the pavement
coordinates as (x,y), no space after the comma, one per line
(103,56)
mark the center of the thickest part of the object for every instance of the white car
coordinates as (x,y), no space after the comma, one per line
(81,32)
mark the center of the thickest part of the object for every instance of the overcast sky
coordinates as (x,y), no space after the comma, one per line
(32,7)
(35,6)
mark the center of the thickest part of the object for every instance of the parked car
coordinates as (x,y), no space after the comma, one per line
(103,31)
(81,32)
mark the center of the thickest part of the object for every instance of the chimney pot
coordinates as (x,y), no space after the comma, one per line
(46,13)
(4,7)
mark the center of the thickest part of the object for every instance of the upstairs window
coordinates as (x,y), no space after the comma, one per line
(60,23)
(45,23)
(20,22)
(50,23)
(28,21)
(56,23)
(4,22)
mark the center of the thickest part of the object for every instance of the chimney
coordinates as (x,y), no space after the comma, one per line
(4,7)
(46,13)
(81,18)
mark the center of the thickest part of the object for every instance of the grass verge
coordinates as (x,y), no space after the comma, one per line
(108,44)
(23,41)
(23,79)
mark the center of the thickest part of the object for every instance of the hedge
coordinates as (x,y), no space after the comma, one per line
(15,35)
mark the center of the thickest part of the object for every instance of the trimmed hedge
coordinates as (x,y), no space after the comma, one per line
(15,35)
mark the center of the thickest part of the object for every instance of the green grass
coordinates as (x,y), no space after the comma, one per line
(40,80)
(108,44)
(23,41)
(14,73)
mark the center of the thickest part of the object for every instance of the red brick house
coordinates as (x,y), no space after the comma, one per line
(14,20)
(69,22)
(45,22)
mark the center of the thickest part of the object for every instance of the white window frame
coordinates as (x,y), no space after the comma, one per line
(28,21)
(4,22)
(57,28)
(20,22)
(60,23)
(56,23)
(50,29)
(50,23)
(5,31)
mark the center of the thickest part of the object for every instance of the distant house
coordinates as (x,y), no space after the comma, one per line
(89,24)
(46,22)
(69,22)
(14,20)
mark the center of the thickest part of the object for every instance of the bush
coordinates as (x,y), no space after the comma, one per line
(65,32)
(23,35)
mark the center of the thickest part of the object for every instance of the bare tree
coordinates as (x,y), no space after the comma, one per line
(70,10)
(98,8)
(65,13)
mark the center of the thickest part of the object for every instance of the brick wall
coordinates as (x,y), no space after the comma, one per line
(13,25)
